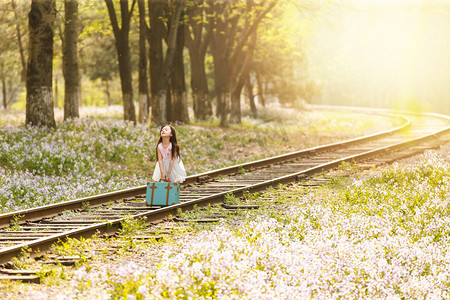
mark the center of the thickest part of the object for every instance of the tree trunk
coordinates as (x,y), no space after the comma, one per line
(224,101)
(123,51)
(224,24)
(4,94)
(11,93)
(238,72)
(178,82)
(163,99)
(107,93)
(251,97)
(228,51)
(235,117)
(80,90)
(39,106)
(155,37)
(19,41)
(261,91)
(197,43)
(70,60)
(143,85)
(200,92)
(56,94)
(220,58)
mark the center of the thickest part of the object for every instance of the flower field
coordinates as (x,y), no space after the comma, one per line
(99,153)
(381,233)
(381,236)
(384,237)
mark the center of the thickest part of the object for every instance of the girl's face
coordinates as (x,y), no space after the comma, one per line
(166,131)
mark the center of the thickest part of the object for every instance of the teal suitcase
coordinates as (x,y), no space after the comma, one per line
(163,193)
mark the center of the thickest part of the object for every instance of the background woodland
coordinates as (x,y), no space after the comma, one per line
(160,59)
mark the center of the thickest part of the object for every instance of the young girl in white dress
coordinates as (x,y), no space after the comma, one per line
(169,166)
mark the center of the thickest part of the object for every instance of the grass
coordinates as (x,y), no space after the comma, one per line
(376,234)
(96,154)
(100,154)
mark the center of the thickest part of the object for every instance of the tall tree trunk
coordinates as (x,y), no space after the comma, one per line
(178,82)
(107,93)
(123,51)
(4,94)
(238,72)
(223,38)
(80,90)
(197,43)
(251,96)
(228,51)
(143,82)
(261,90)
(11,93)
(157,10)
(162,96)
(200,93)
(56,93)
(39,106)
(70,60)
(242,78)
(19,41)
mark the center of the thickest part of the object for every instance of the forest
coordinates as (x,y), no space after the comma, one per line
(162,60)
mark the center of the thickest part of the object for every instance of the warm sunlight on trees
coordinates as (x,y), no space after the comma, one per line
(224,57)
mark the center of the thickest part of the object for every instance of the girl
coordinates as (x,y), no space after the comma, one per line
(169,166)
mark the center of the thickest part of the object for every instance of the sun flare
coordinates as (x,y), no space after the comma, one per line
(381,52)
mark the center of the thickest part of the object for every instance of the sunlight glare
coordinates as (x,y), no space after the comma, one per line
(384,52)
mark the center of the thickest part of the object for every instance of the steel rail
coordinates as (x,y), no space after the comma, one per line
(110,227)
(40,212)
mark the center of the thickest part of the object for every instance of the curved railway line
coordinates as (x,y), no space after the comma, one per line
(38,228)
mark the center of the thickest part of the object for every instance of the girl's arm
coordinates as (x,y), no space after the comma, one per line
(161,165)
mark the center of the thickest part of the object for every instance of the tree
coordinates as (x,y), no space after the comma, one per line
(98,53)
(157,11)
(121,35)
(239,71)
(39,106)
(281,71)
(143,85)
(160,67)
(241,80)
(197,41)
(19,42)
(223,23)
(70,60)
(230,37)
(178,82)
(10,72)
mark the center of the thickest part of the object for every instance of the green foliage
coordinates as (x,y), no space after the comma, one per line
(15,226)
(241,171)
(409,197)
(131,225)
(85,206)
(124,289)
(23,260)
(231,199)
(73,247)
(52,276)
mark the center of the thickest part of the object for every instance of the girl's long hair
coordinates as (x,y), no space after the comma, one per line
(173,140)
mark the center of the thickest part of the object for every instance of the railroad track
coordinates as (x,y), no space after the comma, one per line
(38,228)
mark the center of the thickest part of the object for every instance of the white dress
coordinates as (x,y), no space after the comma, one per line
(178,173)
